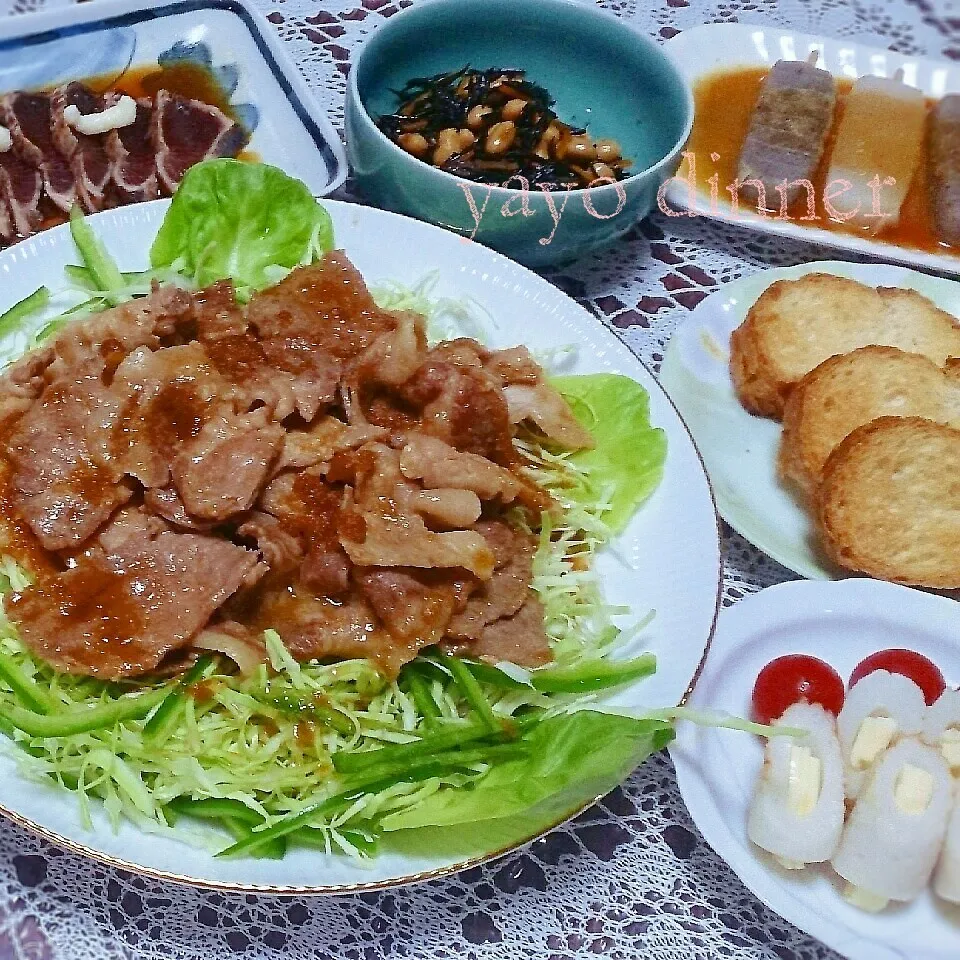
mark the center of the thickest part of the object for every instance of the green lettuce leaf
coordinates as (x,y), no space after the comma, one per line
(248,222)
(573,759)
(629,454)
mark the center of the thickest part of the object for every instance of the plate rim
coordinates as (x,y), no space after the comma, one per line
(449,869)
(45,25)
(762,611)
(684,47)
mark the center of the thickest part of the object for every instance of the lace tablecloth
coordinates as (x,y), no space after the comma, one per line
(630,878)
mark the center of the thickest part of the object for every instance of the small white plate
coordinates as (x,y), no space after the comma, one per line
(231,38)
(667,560)
(841,623)
(739,449)
(713,47)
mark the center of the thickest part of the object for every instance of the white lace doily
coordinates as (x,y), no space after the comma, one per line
(631,878)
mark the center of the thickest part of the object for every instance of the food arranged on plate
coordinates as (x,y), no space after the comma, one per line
(869,788)
(276,558)
(540,129)
(805,120)
(494,125)
(865,382)
(102,143)
(853,810)
(794,142)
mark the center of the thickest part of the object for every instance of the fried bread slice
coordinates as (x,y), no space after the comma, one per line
(852,389)
(889,502)
(797,324)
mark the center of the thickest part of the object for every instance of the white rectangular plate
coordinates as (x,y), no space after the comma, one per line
(267,93)
(704,50)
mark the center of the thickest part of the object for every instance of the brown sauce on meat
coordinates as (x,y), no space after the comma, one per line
(17,540)
(98,597)
(295,355)
(236,356)
(346,320)
(177,414)
(317,523)
(384,410)
(90,480)
(191,80)
(724,103)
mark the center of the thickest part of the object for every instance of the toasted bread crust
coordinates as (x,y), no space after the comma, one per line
(889,502)
(852,389)
(797,324)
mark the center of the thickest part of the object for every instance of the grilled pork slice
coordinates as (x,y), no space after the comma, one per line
(141,445)
(506,591)
(852,389)
(64,483)
(787,132)
(140,593)
(220,471)
(326,304)
(518,639)
(87,154)
(944,167)
(889,505)
(797,324)
(29,117)
(132,154)
(184,132)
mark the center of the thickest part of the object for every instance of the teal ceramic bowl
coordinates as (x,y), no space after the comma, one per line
(604,75)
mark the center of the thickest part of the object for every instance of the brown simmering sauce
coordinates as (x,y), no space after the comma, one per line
(185,78)
(724,103)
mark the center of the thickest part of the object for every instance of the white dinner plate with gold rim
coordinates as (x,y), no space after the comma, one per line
(740,449)
(726,46)
(667,560)
(840,623)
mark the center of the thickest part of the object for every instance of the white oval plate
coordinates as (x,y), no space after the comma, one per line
(725,46)
(667,560)
(740,449)
(841,623)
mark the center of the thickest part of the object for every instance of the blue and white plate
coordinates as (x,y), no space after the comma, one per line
(268,96)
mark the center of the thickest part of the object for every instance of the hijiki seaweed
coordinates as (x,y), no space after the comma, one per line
(495,126)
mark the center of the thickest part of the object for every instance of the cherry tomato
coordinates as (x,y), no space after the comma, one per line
(915,666)
(795,678)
